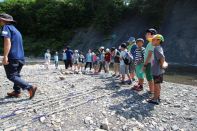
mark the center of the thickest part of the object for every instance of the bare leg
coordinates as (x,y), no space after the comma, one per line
(151,86)
(141,81)
(157,90)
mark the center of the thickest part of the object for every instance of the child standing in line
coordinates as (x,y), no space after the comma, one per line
(124,64)
(95,62)
(64,57)
(56,60)
(81,61)
(102,59)
(131,49)
(89,59)
(75,59)
(148,57)
(107,60)
(116,55)
(139,63)
(158,67)
(47,57)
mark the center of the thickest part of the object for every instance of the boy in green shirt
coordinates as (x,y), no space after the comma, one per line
(148,57)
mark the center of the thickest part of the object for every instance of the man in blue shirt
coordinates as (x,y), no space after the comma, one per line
(14,59)
(69,56)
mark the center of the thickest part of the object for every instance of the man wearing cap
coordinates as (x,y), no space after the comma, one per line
(14,59)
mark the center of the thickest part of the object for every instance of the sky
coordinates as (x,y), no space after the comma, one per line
(1,0)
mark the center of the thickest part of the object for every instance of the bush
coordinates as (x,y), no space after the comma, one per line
(50,23)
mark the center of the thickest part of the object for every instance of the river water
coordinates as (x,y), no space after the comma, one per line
(175,73)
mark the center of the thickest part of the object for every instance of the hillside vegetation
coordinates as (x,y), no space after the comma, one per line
(53,23)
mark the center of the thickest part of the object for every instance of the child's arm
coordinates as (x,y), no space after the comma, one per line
(162,60)
(150,53)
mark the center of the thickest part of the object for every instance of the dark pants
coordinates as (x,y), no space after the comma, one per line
(69,63)
(13,70)
(56,64)
(88,63)
(102,64)
(65,63)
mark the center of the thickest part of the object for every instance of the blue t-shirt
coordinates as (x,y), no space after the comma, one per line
(69,54)
(16,51)
(89,57)
(133,50)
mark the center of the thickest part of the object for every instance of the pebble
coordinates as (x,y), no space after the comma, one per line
(18,112)
(105,124)
(122,119)
(100,130)
(88,120)
(10,128)
(175,128)
(161,128)
(154,123)
(135,129)
(42,119)
(140,117)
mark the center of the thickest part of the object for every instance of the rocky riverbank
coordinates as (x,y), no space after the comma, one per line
(78,102)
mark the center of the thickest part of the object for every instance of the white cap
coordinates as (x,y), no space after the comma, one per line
(102,47)
(76,51)
(107,50)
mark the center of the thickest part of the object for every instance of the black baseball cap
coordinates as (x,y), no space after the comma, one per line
(123,45)
(152,31)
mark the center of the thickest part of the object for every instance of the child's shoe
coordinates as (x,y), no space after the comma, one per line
(139,88)
(154,101)
(122,82)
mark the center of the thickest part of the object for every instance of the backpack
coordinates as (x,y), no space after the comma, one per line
(128,59)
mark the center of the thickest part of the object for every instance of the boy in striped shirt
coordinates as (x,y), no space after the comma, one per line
(139,63)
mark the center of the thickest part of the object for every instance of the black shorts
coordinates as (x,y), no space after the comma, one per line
(158,79)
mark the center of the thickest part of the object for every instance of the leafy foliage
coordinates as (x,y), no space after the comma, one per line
(51,23)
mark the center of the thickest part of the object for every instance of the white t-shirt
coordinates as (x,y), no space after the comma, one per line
(47,56)
(122,55)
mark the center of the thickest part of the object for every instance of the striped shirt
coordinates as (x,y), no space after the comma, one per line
(139,55)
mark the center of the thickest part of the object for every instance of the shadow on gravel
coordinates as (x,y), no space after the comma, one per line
(133,104)
(7,100)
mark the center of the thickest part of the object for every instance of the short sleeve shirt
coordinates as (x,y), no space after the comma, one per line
(89,57)
(122,55)
(56,58)
(156,67)
(149,47)
(16,51)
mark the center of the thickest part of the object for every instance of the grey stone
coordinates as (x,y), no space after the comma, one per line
(10,128)
(88,120)
(42,119)
(18,112)
(122,119)
(105,124)
(175,128)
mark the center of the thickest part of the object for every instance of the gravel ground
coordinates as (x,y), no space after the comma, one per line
(78,102)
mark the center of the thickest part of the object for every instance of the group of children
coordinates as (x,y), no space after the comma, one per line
(130,59)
